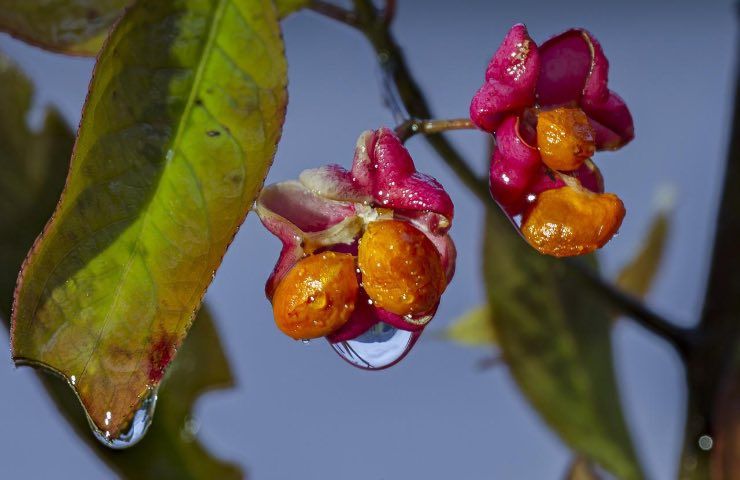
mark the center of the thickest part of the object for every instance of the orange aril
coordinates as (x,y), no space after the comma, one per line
(571,221)
(401,268)
(317,296)
(565,138)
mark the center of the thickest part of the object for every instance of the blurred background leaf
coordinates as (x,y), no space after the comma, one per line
(77,27)
(286,7)
(581,469)
(476,327)
(638,275)
(473,329)
(34,166)
(554,333)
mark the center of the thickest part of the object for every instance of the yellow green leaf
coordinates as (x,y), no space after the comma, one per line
(178,132)
(77,27)
(474,328)
(554,334)
(34,165)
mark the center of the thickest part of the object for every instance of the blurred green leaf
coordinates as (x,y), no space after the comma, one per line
(554,333)
(581,469)
(474,328)
(638,275)
(77,27)
(67,26)
(178,132)
(34,166)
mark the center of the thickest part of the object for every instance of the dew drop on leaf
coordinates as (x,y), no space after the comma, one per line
(136,430)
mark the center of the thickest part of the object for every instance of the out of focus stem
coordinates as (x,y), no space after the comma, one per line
(714,360)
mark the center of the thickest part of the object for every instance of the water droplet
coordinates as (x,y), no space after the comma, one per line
(419,319)
(380,347)
(189,429)
(306,341)
(73,380)
(136,430)
(706,442)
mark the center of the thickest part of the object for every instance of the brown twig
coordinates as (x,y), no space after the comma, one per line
(335,12)
(409,128)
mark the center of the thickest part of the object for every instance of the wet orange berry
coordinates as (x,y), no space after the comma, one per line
(317,296)
(401,268)
(565,138)
(571,221)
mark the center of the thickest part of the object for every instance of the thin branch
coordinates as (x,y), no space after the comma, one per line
(409,128)
(682,339)
(335,12)
(389,12)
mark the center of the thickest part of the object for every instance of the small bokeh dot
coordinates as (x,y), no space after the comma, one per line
(705,442)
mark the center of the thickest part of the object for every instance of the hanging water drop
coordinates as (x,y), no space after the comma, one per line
(380,347)
(137,428)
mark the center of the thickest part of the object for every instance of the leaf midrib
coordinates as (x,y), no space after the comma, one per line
(175,147)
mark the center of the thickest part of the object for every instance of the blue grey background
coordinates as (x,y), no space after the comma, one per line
(299,411)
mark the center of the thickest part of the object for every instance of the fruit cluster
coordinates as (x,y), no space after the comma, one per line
(550,110)
(360,246)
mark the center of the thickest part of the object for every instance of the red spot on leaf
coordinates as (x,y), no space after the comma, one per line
(163,350)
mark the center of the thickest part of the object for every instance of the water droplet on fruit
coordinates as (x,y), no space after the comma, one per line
(135,431)
(380,347)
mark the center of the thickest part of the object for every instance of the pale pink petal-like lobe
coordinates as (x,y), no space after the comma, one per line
(334,182)
(292,213)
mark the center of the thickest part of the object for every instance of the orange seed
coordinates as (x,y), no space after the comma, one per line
(317,296)
(401,268)
(571,220)
(565,138)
